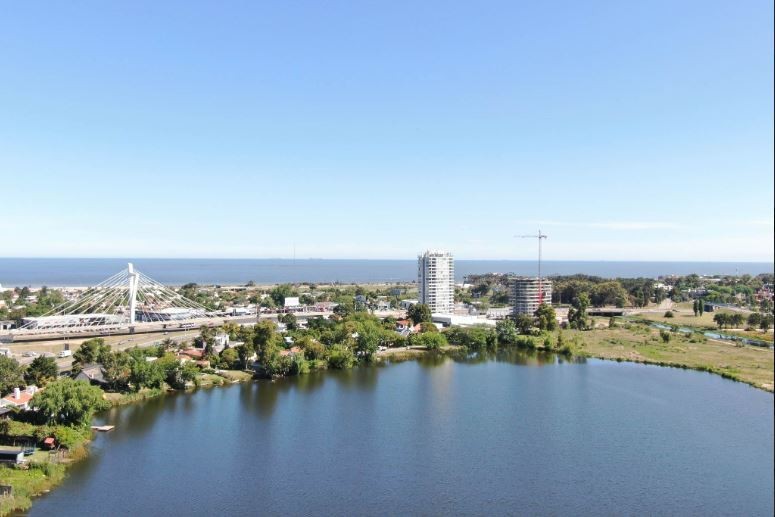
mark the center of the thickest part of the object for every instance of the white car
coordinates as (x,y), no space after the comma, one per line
(65,353)
(30,354)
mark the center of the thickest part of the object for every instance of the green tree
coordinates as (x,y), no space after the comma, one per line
(721,319)
(368,340)
(11,375)
(289,320)
(91,351)
(146,374)
(507,332)
(754,320)
(281,292)
(69,402)
(41,370)
(577,315)
(429,341)
(230,359)
(340,357)
(546,317)
(524,323)
(696,308)
(419,313)
(117,369)
(701,306)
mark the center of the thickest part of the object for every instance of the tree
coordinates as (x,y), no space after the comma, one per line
(69,402)
(91,351)
(281,292)
(754,320)
(524,323)
(146,374)
(369,337)
(419,312)
(230,358)
(289,320)
(10,374)
(696,308)
(577,315)
(507,332)
(701,306)
(429,341)
(41,370)
(547,318)
(117,369)
(340,357)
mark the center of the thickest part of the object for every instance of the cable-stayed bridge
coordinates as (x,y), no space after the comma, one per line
(128,301)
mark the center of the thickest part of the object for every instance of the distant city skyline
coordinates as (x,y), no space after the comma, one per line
(638,131)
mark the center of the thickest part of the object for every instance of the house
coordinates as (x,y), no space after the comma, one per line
(325,306)
(6,324)
(405,327)
(11,455)
(291,303)
(407,304)
(192,353)
(382,305)
(19,399)
(294,350)
(49,443)
(92,373)
(222,340)
(5,413)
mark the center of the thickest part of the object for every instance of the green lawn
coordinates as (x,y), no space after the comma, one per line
(639,343)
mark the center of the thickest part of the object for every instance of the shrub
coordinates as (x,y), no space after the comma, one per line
(669,314)
(340,357)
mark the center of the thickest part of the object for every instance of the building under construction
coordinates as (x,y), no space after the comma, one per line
(527,293)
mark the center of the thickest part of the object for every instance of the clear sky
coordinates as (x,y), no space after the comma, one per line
(624,130)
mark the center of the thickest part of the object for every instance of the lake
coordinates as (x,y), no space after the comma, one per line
(520,433)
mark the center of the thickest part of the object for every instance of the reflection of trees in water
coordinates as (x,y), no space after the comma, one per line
(361,377)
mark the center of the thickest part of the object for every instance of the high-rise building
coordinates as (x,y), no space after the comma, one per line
(524,294)
(436,276)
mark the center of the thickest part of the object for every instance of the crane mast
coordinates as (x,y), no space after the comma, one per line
(540,237)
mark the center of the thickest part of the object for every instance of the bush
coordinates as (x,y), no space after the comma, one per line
(669,314)
(665,335)
(340,357)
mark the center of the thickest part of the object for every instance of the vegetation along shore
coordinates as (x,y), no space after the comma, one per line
(52,427)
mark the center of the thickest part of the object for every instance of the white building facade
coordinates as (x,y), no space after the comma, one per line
(526,294)
(436,279)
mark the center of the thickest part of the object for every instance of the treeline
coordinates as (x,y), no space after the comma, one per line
(754,320)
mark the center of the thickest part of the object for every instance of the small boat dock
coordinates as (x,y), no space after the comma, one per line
(103,428)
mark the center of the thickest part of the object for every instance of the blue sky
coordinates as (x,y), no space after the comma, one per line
(624,130)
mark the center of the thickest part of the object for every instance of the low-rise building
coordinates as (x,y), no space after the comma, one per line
(19,399)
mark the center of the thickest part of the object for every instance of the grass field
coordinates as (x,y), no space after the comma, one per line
(683,316)
(640,343)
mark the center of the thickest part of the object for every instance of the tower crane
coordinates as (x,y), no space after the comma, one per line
(540,237)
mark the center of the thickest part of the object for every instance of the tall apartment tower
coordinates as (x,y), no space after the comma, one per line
(436,276)
(524,294)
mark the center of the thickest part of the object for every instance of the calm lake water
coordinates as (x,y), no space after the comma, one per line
(516,435)
(57,272)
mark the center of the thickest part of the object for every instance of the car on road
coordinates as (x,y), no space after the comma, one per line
(30,354)
(65,353)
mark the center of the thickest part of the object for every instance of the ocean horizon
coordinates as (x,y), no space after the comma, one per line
(61,272)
